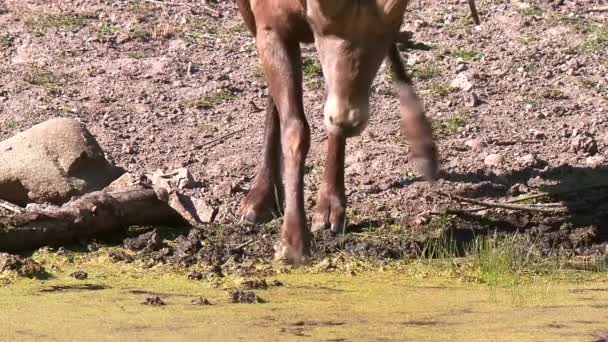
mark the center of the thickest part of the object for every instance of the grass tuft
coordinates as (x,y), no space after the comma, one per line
(212,100)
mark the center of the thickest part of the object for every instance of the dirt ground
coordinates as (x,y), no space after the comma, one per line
(519,104)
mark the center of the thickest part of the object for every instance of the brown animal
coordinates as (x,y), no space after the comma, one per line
(352,37)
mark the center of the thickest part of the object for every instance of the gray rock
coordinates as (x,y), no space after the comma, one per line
(52,162)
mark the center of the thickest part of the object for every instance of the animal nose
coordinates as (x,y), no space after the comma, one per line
(348,122)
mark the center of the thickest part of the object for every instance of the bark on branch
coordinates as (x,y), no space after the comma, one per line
(95,214)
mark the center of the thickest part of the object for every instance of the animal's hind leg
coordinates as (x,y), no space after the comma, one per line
(331,199)
(262,202)
(414,124)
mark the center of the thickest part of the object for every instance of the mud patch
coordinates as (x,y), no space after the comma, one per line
(79,287)
(425,323)
(317,324)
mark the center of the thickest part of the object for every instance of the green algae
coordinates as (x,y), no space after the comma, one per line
(336,299)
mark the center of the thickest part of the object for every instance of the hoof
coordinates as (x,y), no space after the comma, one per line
(427,168)
(337,228)
(290,254)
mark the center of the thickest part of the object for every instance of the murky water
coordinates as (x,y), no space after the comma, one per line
(367,307)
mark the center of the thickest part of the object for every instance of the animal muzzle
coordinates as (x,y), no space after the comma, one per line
(344,119)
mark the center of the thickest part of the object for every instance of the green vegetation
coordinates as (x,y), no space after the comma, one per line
(451,124)
(53,83)
(212,100)
(442,89)
(532,11)
(311,68)
(597,39)
(66,21)
(8,124)
(6,40)
(107,31)
(464,54)
(426,72)
(136,55)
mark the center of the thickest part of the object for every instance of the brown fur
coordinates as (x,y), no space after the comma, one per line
(352,38)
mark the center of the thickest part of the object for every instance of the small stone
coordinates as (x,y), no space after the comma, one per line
(127,149)
(461,82)
(80,275)
(531,160)
(518,189)
(473,100)
(538,134)
(493,159)
(475,144)
(461,67)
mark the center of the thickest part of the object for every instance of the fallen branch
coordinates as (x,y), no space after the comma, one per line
(93,215)
(11,207)
(508,206)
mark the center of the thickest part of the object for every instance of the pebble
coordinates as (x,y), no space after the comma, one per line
(493,159)
(461,82)
(473,100)
(475,144)
(461,67)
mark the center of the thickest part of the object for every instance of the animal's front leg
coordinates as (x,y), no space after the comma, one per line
(331,199)
(283,70)
(263,200)
(414,124)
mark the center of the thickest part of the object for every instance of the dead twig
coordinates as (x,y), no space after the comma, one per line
(228,135)
(11,207)
(598,9)
(508,206)
(243,245)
